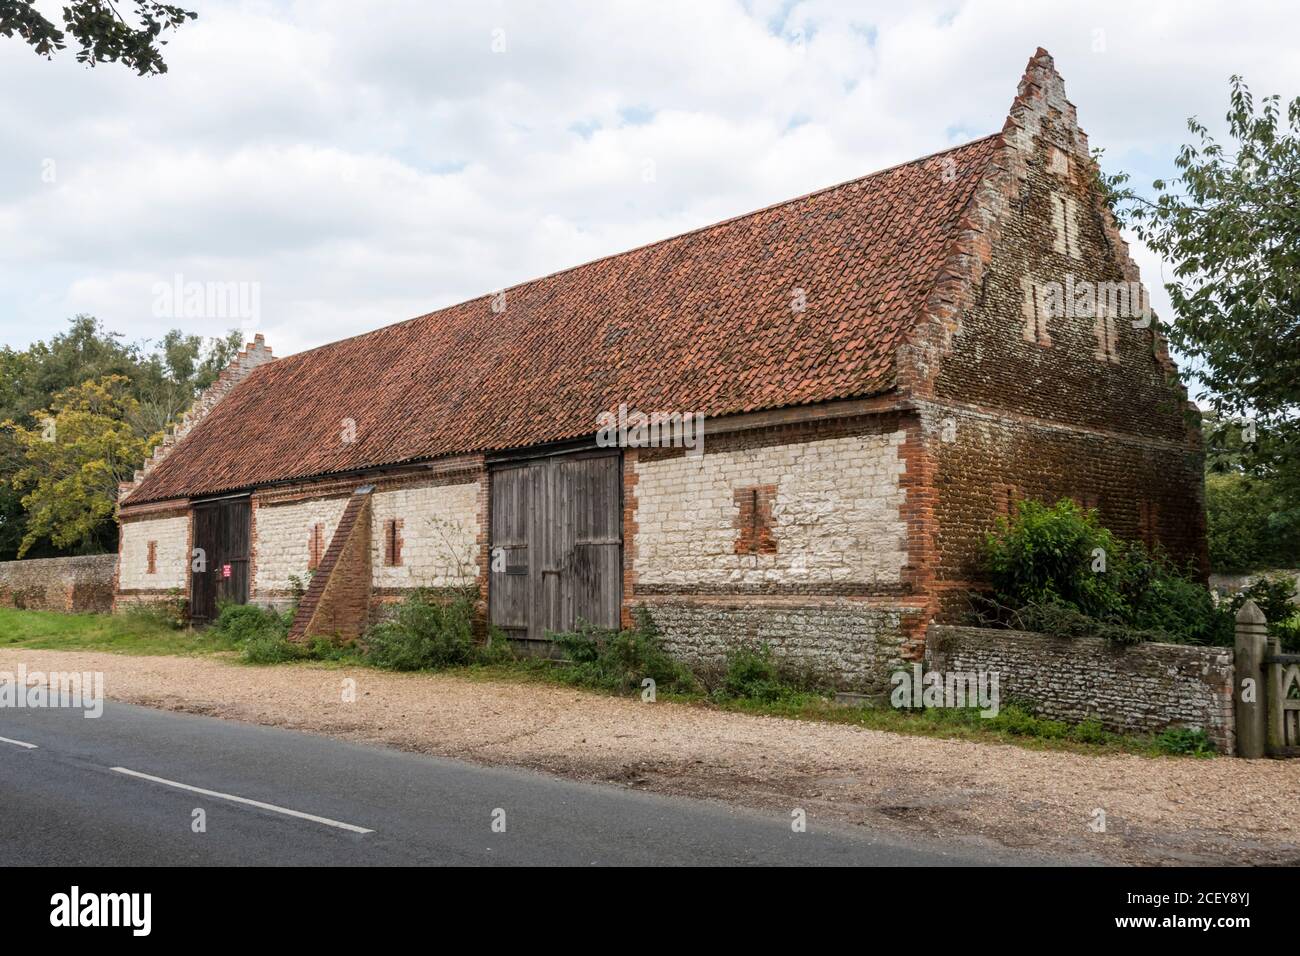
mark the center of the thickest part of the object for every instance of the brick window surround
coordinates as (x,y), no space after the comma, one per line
(315,546)
(153,558)
(393,542)
(754,530)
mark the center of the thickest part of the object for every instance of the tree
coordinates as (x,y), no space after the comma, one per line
(72,462)
(165,377)
(166,382)
(12,520)
(99,29)
(85,351)
(1249,525)
(1230,225)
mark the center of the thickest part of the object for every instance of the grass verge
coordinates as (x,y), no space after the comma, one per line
(749,685)
(133,632)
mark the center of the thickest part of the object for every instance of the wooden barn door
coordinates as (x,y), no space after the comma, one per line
(559,523)
(222,529)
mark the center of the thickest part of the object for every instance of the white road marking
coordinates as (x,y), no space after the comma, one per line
(244,800)
(18,743)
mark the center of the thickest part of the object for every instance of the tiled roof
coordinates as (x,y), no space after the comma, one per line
(702,322)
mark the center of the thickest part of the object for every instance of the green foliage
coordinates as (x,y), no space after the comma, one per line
(101,32)
(1228,225)
(1019,720)
(161,381)
(261,634)
(1090,731)
(497,651)
(1185,741)
(73,459)
(243,621)
(297,590)
(126,633)
(171,613)
(751,673)
(270,647)
(423,633)
(1044,555)
(1251,523)
(1159,597)
(1058,570)
(1065,621)
(1272,594)
(1288,633)
(621,660)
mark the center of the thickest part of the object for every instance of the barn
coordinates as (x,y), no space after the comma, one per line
(877,371)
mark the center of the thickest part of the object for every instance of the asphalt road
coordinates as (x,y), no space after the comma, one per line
(117,790)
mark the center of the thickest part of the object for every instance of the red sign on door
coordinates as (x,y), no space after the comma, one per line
(225,570)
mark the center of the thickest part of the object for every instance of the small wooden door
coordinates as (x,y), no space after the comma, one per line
(559,524)
(220,569)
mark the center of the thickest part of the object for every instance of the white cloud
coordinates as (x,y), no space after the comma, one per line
(364,168)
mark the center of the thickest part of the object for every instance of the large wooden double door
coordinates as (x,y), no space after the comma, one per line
(557,545)
(219,564)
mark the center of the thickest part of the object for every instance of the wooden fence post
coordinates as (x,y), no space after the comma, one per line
(1251,642)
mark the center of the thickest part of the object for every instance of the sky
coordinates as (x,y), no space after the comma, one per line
(323,168)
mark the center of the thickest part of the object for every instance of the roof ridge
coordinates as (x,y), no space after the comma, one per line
(458,382)
(657,242)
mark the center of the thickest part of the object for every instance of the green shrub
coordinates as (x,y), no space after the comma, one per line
(271,647)
(1157,596)
(241,622)
(1065,621)
(621,660)
(1018,719)
(423,633)
(1184,740)
(1045,555)
(297,591)
(1090,731)
(1271,593)
(497,650)
(261,634)
(751,674)
(1288,633)
(1058,570)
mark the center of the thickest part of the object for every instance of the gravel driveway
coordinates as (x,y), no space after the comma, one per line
(1156,810)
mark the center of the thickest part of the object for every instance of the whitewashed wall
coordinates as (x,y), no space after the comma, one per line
(283,533)
(439,534)
(171,557)
(837,515)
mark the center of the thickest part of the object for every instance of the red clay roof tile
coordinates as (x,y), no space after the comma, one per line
(701,322)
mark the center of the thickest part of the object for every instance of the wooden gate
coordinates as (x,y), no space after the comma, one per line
(1283,692)
(219,571)
(558,523)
